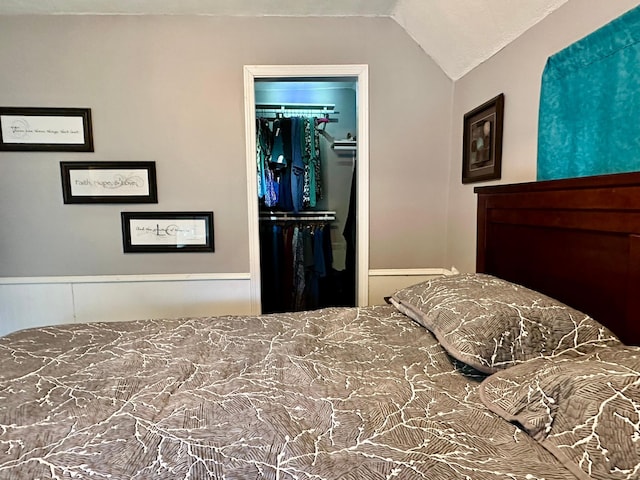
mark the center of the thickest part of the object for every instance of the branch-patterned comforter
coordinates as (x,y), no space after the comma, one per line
(341,393)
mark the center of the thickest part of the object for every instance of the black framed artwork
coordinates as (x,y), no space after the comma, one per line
(35,129)
(109,182)
(482,142)
(148,232)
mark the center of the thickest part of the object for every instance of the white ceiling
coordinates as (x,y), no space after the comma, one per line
(457,34)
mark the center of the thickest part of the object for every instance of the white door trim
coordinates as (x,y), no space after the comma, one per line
(361,72)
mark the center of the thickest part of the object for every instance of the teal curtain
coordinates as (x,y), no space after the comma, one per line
(589,121)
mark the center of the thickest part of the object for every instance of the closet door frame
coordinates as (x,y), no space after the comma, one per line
(361,74)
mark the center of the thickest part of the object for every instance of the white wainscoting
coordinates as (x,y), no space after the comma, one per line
(27,302)
(39,301)
(384,282)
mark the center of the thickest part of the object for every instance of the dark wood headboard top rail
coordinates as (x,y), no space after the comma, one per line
(616,180)
(577,240)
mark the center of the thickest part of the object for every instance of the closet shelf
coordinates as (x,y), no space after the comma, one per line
(308,216)
(329,107)
(275,110)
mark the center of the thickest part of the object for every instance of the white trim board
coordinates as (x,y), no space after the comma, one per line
(399,272)
(154,277)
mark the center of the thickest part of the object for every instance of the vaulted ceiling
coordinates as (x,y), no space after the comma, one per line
(457,34)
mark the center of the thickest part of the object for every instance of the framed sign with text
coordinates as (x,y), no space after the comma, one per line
(167,232)
(109,182)
(46,129)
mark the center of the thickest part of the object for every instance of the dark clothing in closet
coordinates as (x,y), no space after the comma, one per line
(294,260)
(349,234)
(289,173)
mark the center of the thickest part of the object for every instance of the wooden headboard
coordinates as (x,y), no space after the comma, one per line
(577,240)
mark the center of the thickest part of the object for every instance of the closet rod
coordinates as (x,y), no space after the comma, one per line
(296,106)
(313,216)
(345,145)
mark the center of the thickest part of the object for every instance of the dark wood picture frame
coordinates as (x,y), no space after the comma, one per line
(109,182)
(40,129)
(482,142)
(153,232)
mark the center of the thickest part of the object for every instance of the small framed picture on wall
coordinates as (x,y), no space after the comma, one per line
(35,129)
(109,182)
(482,142)
(167,232)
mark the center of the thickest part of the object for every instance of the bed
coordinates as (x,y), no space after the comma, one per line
(469,376)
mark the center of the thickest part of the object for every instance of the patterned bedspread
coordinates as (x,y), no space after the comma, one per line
(341,393)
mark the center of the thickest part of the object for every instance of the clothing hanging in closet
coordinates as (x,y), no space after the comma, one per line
(295,259)
(288,163)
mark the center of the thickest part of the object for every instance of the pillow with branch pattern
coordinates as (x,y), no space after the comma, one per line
(585,410)
(492,324)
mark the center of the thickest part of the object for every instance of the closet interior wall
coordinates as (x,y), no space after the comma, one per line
(337,169)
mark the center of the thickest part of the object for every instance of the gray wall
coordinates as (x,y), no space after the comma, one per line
(170,89)
(516,71)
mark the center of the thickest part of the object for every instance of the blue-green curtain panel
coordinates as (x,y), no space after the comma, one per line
(589,120)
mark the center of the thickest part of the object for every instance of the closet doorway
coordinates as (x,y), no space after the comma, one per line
(256,80)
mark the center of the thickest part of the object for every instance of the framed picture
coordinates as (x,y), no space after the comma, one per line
(167,231)
(482,142)
(109,182)
(46,129)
